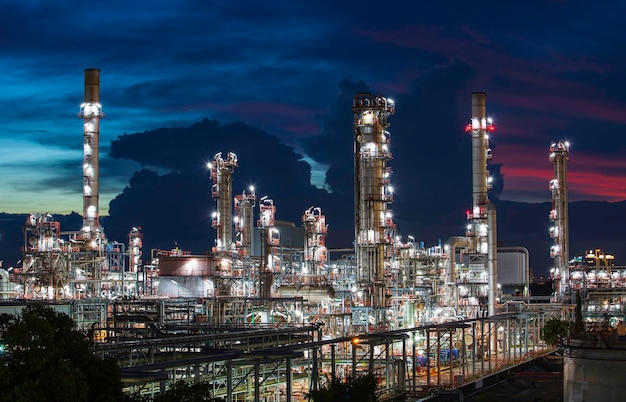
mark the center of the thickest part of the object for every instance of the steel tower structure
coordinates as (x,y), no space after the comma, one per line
(270,240)
(481,230)
(134,249)
(373,194)
(91,113)
(244,227)
(244,222)
(315,229)
(559,155)
(222,191)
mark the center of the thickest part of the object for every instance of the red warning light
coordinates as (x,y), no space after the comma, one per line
(491,128)
(468,128)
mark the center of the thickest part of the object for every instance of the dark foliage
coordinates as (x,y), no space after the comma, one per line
(554,330)
(46,359)
(362,389)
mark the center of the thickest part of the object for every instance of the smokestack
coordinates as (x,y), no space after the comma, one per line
(92,85)
(479,149)
(91,113)
(483,216)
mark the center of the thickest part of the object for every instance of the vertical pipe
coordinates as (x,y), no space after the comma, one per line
(402,374)
(526,335)
(257,383)
(474,341)
(371,362)
(490,347)
(438,358)
(414,363)
(482,343)
(427,357)
(315,373)
(451,356)
(492,259)
(333,363)
(353,343)
(288,376)
(462,353)
(387,376)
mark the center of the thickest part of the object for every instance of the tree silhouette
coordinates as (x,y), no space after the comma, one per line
(554,330)
(362,389)
(44,358)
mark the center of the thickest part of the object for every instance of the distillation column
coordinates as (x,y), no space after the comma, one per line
(222,191)
(137,283)
(270,241)
(91,113)
(244,227)
(244,222)
(134,249)
(372,194)
(315,230)
(559,154)
(481,229)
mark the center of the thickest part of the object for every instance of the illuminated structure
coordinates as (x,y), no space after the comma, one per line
(315,229)
(270,240)
(373,193)
(386,284)
(91,113)
(134,249)
(244,227)
(45,273)
(244,222)
(222,191)
(559,154)
(480,241)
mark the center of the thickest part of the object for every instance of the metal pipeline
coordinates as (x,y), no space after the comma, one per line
(492,259)
(452,244)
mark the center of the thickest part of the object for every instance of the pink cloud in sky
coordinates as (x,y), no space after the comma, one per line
(590,177)
(544,90)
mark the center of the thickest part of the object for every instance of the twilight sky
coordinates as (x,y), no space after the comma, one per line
(551,70)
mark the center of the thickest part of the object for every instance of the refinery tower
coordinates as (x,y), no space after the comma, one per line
(373,194)
(91,113)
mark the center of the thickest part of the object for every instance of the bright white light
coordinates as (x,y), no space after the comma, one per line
(252,189)
(91,211)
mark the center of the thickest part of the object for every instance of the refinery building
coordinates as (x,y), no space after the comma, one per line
(266,313)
